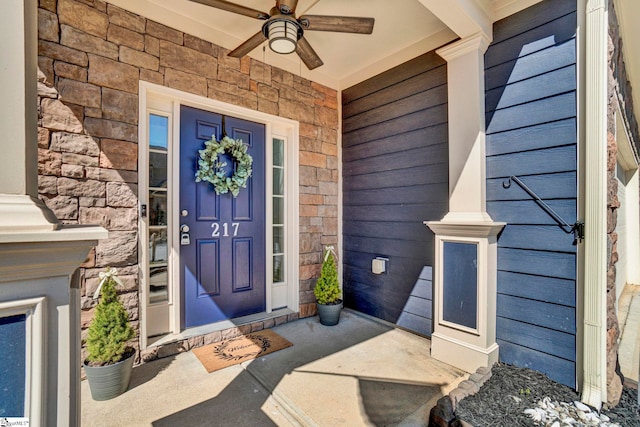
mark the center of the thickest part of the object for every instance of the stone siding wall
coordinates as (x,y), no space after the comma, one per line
(92,56)
(619,92)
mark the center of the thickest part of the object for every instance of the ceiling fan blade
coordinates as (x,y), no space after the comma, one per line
(307,54)
(340,24)
(287,7)
(249,45)
(235,8)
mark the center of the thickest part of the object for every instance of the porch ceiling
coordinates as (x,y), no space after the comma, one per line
(403,30)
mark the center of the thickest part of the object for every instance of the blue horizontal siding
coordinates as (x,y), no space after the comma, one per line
(551,109)
(550,58)
(561,185)
(553,33)
(405,159)
(538,313)
(547,160)
(395,177)
(423,137)
(399,108)
(419,175)
(544,263)
(391,195)
(556,368)
(541,288)
(549,341)
(536,237)
(544,135)
(534,88)
(433,116)
(529,213)
(530,78)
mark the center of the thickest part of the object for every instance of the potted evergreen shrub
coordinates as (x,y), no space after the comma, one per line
(327,291)
(109,362)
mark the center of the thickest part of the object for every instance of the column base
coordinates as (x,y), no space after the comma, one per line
(462,355)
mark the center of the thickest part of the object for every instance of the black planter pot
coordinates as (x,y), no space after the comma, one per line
(107,382)
(329,313)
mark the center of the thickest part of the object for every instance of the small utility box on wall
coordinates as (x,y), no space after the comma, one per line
(379,265)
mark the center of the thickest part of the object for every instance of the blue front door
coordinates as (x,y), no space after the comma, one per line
(222,263)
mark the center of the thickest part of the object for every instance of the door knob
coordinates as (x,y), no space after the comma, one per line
(184,228)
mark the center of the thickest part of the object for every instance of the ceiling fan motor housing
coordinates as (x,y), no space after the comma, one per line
(286,7)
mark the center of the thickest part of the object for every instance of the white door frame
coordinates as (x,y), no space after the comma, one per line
(159,98)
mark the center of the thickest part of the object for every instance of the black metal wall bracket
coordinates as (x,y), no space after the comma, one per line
(577,229)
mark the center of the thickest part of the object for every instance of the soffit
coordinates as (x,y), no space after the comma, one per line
(403,30)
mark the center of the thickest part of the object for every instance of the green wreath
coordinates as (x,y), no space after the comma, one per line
(211,169)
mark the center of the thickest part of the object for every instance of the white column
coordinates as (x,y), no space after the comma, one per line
(465,80)
(20,209)
(473,344)
(37,253)
(594,346)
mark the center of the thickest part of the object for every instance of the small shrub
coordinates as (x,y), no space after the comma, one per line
(110,329)
(327,290)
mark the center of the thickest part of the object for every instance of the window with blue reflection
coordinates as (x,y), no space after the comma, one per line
(12,365)
(460,284)
(158,132)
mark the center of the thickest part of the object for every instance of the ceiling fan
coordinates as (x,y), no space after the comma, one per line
(286,32)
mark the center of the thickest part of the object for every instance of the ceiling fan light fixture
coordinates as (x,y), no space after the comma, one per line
(283,35)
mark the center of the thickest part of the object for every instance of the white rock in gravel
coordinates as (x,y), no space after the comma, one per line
(555,424)
(581,406)
(515,398)
(604,418)
(537,414)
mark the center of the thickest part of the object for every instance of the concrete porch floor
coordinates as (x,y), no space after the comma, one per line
(360,372)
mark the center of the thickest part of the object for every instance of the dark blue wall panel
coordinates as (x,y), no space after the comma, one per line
(13,330)
(530,85)
(395,175)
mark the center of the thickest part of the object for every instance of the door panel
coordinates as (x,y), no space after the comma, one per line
(223,265)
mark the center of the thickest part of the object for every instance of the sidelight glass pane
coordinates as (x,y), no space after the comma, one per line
(157,170)
(278,210)
(278,175)
(278,152)
(278,268)
(158,245)
(278,182)
(158,132)
(158,208)
(12,366)
(278,239)
(158,280)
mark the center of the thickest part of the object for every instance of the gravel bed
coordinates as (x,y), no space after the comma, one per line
(503,399)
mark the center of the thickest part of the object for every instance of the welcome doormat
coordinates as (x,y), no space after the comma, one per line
(239,349)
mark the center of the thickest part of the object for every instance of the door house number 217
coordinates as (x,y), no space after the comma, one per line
(225,229)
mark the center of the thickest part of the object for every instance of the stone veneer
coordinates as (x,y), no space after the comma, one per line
(619,92)
(91,58)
